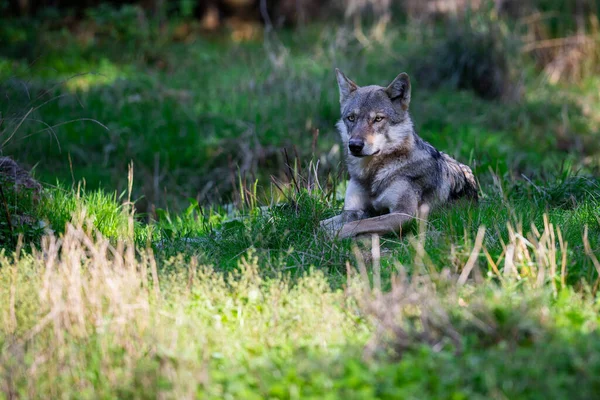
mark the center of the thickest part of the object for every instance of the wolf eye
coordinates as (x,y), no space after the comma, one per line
(351,118)
(378,118)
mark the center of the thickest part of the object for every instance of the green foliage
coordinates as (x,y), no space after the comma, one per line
(126,22)
(478,52)
(186,8)
(18,210)
(95,208)
(285,236)
(186,115)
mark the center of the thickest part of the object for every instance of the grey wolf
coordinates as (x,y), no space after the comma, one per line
(393,172)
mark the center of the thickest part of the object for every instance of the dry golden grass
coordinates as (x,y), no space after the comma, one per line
(83,316)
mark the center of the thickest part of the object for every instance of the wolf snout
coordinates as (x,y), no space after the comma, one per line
(355,146)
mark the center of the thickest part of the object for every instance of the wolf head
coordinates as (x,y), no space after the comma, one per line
(375,119)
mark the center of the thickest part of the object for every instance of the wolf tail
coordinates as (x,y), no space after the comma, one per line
(461,178)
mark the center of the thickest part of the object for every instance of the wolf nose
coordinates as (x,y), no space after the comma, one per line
(356,146)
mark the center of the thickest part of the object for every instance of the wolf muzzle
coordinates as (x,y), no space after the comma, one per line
(356,146)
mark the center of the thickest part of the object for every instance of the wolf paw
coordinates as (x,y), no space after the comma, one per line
(332,226)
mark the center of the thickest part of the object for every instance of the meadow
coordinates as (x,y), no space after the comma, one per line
(175,250)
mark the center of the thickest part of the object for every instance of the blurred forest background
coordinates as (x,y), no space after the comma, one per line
(207,98)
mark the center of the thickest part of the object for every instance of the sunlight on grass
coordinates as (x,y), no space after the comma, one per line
(106,73)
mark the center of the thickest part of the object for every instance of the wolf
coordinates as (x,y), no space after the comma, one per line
(393,172)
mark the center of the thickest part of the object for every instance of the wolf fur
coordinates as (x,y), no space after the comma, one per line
(393,172)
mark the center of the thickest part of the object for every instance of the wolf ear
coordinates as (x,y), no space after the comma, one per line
(345,84)
(399,90)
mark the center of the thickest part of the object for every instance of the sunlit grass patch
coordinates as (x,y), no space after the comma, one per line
(105,74)
(97,210)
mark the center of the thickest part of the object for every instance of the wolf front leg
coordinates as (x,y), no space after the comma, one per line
(333,225)
(381,225)
(400,198)
(355,205)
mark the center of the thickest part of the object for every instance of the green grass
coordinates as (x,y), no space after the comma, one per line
(210,281)
(192,331)
(215,104)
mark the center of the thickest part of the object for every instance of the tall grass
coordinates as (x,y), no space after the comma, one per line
(84,318)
